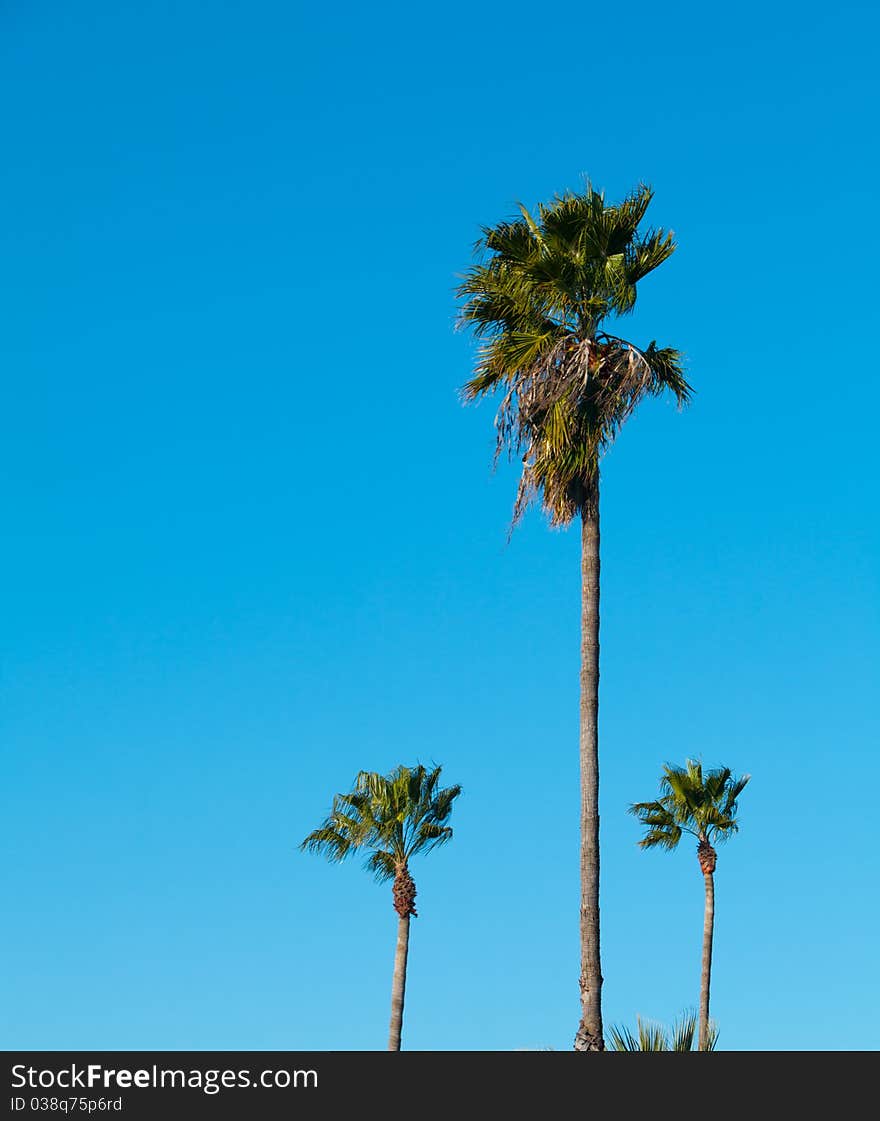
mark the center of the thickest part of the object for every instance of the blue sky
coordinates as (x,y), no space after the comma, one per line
(252,541)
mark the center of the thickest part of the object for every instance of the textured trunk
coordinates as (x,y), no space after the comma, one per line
(589,1034)
(403,892)
(707,864)
(398,983)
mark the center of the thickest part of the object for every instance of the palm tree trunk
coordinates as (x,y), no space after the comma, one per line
(706,972)
(398,983)
(589,1034)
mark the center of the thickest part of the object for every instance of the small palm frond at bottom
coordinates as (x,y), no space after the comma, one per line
(651,1036)
(620,1038)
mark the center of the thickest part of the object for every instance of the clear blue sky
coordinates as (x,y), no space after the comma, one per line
(252,541)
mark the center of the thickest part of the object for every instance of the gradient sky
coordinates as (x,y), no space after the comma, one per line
(252,542)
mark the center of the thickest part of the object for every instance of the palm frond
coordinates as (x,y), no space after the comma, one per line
(648,254)
(667,368)
(651,1036)
(664,837)
(684,1032)
(329,841)
(382,864)
(622,1039)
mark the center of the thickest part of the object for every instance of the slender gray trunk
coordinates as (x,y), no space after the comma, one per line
(706,972)
(589,1034)
(398,983)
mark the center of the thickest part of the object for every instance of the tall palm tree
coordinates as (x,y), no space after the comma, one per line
(655,1037)
(538,300)
(703,805)
(391,818)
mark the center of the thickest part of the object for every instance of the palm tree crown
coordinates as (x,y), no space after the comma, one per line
(702,804)
(538,300)
(391,817)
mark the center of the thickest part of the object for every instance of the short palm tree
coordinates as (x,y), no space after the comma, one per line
(655,1037)
(704,805)
(391,818)
(539,300)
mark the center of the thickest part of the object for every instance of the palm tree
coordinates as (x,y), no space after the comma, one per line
(538,300)
(703,805)
(655,1037)
(391,818)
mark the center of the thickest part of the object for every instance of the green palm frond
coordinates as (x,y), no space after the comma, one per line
(651,1036)
(431,836)
(537,300)
(382,865)
(329,841)
(661,828)
(661,837)
(621,1038)
(649,254)
(684,1032)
